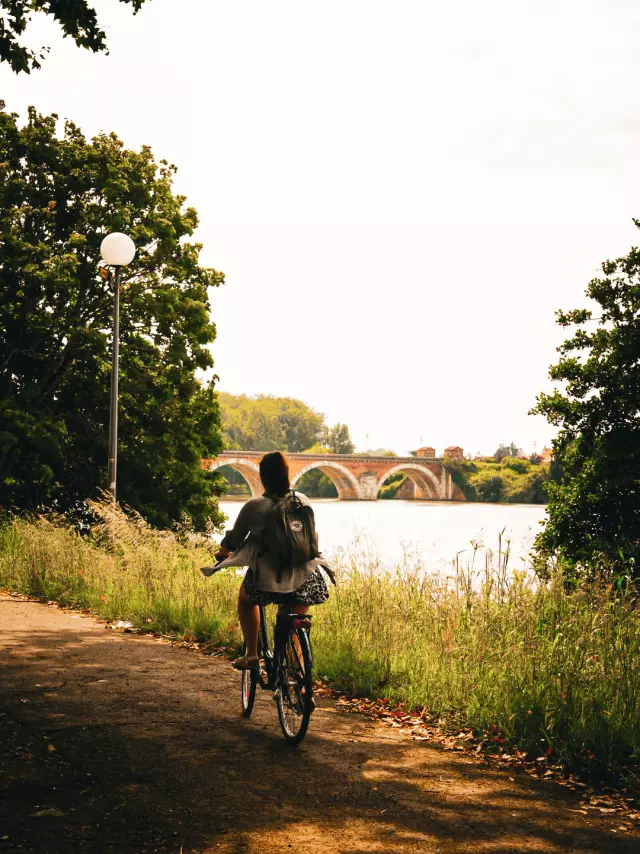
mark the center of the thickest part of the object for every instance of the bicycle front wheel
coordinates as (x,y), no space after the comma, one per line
(294,696)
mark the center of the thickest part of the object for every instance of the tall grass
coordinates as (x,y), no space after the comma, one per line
(545,666)
(123,570)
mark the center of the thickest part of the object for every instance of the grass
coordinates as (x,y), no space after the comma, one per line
(543,666)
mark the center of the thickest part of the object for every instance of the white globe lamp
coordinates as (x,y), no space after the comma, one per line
(117,249)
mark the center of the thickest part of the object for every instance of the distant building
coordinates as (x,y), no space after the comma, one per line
(454,452)
(546,455)
(426,452)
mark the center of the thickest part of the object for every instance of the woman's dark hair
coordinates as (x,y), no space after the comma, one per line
(274,473)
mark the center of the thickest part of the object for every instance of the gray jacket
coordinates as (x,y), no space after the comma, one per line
(244,540)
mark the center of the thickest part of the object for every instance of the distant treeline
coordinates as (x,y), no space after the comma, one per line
(266,423)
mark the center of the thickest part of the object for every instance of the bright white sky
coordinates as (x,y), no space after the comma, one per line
(399,193)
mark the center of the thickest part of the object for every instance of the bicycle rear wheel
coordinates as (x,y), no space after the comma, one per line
(294,697)
(249,683)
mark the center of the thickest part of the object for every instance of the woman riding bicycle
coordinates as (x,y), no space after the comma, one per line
(293,587)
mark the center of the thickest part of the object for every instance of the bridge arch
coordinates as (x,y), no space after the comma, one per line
(247,468)
(345,482)
(428,487)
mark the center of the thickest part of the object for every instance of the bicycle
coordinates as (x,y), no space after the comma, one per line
(287,671)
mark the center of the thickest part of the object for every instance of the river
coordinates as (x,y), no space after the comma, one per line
(431,531)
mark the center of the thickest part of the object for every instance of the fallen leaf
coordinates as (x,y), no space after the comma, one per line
(51,811)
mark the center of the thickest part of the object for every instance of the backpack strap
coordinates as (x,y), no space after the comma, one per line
(289,536)
(280,508)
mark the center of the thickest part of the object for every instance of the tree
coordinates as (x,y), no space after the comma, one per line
(266,423)
(76,19)
(58,197)
(594,505)
(503,451)
(339,441)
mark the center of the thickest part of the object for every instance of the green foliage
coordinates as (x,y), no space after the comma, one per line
(391,485)
(516,464)
(316,484)
(236,483)
(594,505)
(489,485)
(339,441)
(542,665)
(513,481)
(267,423)
(59,196)
(460,471)
(76,19)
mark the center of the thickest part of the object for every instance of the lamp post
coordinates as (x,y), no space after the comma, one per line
(117,250)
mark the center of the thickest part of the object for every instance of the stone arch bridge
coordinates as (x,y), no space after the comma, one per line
(356,477)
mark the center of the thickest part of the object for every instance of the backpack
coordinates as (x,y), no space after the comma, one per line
(289,535)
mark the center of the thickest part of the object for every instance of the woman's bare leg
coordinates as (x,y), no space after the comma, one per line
(249,622)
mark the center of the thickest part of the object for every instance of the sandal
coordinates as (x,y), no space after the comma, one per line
(246,662)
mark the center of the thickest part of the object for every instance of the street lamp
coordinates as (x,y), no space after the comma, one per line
(117,250)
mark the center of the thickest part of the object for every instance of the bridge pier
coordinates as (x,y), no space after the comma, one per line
(368,486)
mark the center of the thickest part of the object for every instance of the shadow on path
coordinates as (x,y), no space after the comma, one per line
(122,743)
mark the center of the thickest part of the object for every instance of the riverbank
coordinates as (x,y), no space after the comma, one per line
(551,671)
(511,481)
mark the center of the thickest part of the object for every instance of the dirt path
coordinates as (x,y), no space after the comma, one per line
(132,745)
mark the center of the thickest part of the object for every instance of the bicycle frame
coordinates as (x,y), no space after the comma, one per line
(287,671)
(272,657)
